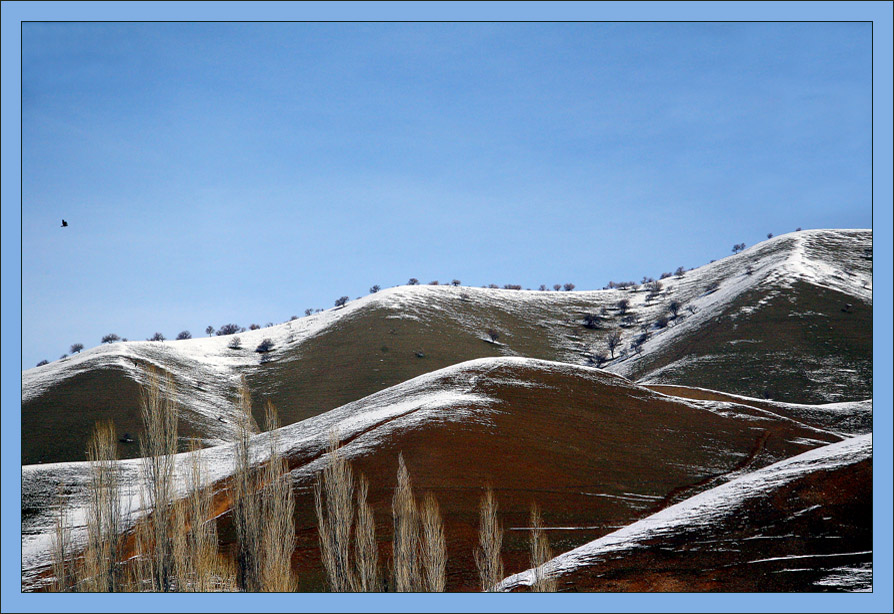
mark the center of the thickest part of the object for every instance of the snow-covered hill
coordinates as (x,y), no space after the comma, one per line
(584,442)
(327,359)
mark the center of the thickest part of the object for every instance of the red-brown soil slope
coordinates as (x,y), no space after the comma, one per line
(804,524)
(595,451)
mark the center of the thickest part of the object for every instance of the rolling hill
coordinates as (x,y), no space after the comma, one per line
(789,319)
(593,449)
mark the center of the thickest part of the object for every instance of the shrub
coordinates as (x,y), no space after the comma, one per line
(493,286)
(307,312)
(185,334)
(568,287)
(593,321)
(512,287)
(749,270)
(43,362)
(628,320)
(227,329)
(209,331)
(661,322)
(375,289)
(254,327)
(111,338)
(268,324)
(413,282)
(557,287)
(156,337)
(612,341)
(674,308)
(265,346)
(433,283)
(293,318)
(623,305)
(76,348)
(769,235)
(738,247)
(455,282)
(542,288)
(680,271)
(235,343)
(339,302)
(712,287)
(63,356)
(639,341)
(600,358)
(666,275)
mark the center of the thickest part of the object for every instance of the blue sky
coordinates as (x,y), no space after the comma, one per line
(215,173)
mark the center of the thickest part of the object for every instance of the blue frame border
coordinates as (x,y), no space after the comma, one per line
(13,13)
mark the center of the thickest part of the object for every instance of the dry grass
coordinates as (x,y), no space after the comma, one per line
(490,541)
(278,510)
(333,498)
(540,554)
(198,565)
(158,447)
(407,563)
(63,551)
(366,552)
(434,546)
(246,501)
(100,570)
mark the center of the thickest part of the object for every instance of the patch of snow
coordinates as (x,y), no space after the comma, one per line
(703,509)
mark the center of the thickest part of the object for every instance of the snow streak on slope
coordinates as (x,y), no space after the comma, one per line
(824,258)
(705,509)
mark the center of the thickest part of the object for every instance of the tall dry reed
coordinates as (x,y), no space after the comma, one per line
(197,562)
(333,498)
(407,563)
(100,569)
(434,546)
(246,499)
(544,582)
(490,541)
(158,446)
(366,551)
(278,511)
(64,559)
